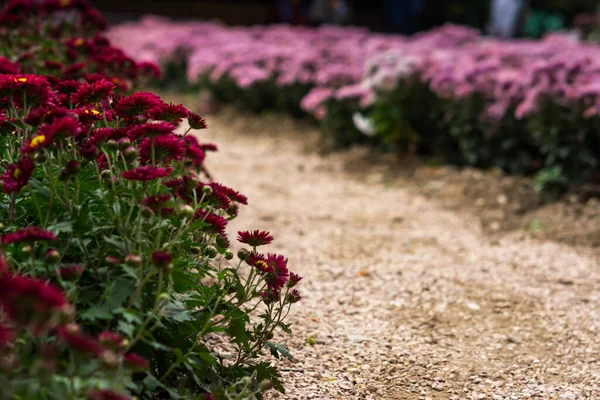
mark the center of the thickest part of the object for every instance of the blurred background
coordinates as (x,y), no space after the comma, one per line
(510,18)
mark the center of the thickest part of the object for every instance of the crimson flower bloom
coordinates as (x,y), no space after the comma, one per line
(216,223)
(293,296)
(166,148)
(92,93)
(30,234)
(194,152)
(106,394)
(149,69)
(136,362)
(27,300)
(161,259)
(158,202)
(196,121)
(35,89)
(17,175)
(255,238)
(149,130)
(51,133)
(294,279)
(146,173)
(70,335)
(112,340)
(232,194)
(136,104)
(168,112)
(71,272)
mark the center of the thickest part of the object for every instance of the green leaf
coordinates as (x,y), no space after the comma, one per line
(277,349)
(95,313)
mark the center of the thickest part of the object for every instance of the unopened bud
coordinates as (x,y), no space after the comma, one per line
(52,256)
(27,249)
(207,190)
(124,143)
(210,252)
(186,211)
(112,144)
(228,255)
(243,254)
(131,153)
(133,260)
(265,385)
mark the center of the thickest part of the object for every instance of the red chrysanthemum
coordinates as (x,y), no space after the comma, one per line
(196,121)
(294,279)
(112,340)
(71,335)
(255,238)
(232,194)
(30,234)
(51,133)
(158,202)
(209,147)
(136,362)
(170,112)
(161,259)
(31,90)
(149,69)
(293,296)
(31,301)
(277,279)
(71,272)
(92,93)
(149,130)
(194,152)
(216,223)
(106,394)
(17,175)
(137,104)
(39,115)
(166,149)
(8,67)
(146,173)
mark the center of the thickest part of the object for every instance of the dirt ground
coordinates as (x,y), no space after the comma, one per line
(419,283)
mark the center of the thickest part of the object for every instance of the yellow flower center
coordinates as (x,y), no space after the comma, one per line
(260,264)
(95,112)
(79,42)
(37,141)
(17,173)
(20,79)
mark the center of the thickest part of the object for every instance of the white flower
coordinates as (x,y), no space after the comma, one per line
(363,124)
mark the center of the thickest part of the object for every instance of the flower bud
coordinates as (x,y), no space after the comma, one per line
(72,168)
(243,254)
(112,144)
(186,211)
(210,252)
(133,260)
(106,174)
(228,255)
(265,385)
(191,182)
(2,226)
(72,272)
(131,153)
(52,256)
(27,249)
(112,261)
(124,143)
(195,250)
(207,190)
(110,358)
(40,157)
(162,261)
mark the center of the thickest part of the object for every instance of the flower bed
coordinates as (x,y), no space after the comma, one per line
(523,106)
(114,258)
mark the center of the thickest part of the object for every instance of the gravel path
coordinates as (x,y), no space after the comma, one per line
(403,299)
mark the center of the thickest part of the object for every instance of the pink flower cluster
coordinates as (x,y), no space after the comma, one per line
(455,61)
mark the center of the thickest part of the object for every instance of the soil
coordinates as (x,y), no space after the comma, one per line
(419,282)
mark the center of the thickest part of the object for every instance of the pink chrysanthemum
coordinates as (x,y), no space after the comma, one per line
(255,238)
(17,176)
(30,234)
(146,173)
